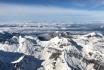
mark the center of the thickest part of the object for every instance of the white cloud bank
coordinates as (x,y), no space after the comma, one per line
(8,12)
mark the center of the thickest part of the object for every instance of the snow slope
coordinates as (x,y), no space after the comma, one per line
(77,52)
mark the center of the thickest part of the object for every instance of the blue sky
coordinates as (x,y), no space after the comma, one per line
(75,11)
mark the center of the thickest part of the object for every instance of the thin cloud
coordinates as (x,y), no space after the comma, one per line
(12,12)
(77,4)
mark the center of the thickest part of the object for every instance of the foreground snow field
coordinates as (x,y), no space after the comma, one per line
(63,51)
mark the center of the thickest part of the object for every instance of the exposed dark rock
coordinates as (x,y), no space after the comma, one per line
(28,62)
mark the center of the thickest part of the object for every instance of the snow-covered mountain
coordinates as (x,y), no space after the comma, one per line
(62,51)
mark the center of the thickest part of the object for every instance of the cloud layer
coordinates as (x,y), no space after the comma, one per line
(24,13)
(78,4)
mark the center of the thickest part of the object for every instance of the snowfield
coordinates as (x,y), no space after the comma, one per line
(63,51)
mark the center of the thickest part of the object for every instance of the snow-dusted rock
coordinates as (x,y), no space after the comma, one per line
(79,52)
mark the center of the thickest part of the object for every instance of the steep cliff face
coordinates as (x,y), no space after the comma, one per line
(62,52)
(53,54)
